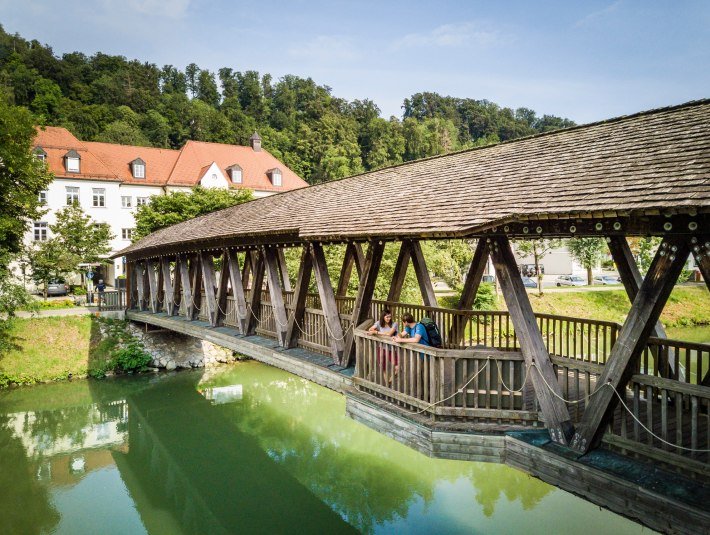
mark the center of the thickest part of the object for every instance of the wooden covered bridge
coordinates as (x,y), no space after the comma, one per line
(585,381)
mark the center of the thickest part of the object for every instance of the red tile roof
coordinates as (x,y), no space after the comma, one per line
(164,167)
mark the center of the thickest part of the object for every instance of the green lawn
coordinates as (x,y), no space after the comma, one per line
(48,349)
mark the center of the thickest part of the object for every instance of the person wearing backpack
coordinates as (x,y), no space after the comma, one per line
(415,332)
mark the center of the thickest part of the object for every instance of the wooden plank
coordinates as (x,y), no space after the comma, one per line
(208,283)
(140,284)
(327,299)
(700,245)
(160,297)
(168,290)
(299,298)
(130,284)
(644,313)
(283,270)
(363,300)
(400,272)
(273,282)
(235,280)
(177,287)
(359,259)
(222,288)
(196,284)
(186,287)
(349,261)
(468,294)
(257,261)
(246,269)
(532,346)
(420,269)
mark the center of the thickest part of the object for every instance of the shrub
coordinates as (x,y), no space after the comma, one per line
(79,290)
(132,357)
(485,297)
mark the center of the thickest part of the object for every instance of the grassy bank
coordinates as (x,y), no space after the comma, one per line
(687,305)
(55,348)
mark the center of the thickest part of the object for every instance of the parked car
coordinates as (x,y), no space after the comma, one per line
(605,279)
(570,280)
(488,278)
(529,283)
(57,287)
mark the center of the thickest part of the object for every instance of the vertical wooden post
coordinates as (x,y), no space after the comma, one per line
(644,313)
(532,346)
(468,294)
(257,260)
(184,273)
(235,280)
(299,298)
(196,284)
(283,269)
(700,245)
(363,301)
(273,281)
(422,273)
(222,288)
(246,269)
(140,285)
(327,299)
(400,272)
(208,283)
(130,284)
(161,285)
(169,290)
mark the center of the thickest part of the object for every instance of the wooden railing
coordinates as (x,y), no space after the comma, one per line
(110,300)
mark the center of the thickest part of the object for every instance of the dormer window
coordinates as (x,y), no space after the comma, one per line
(138,168)
(235,173)
(40,154)
(275,176)
(72,162)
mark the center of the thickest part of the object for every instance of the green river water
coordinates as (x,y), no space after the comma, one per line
(246,449)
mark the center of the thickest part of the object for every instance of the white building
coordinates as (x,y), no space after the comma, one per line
(109,181)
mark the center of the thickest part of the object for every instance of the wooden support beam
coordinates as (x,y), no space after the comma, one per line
(246,270)
(257,260)
(303,281)
(140,285)
(223,288)
(283,270)
(359,259)
(327,299)
(400,272)
(184,273)
(273,282)
(146,287)
(235,280)
(346,270)
(631,279)
(168,289)
(161,285)
(634,334)
(208,283)
(420,269)
(532,346)
(363,301)
(468,295)
(196,284)
(700,245)
(177,287)
(130,284)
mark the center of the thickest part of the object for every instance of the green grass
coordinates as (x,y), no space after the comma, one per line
(687,305)
(54,348)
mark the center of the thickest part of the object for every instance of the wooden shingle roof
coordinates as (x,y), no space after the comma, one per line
(651,161)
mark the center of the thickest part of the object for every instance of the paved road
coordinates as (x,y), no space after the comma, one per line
(76,311)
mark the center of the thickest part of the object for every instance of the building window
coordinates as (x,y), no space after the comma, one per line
(99,197)
(140,201)
(126,201)
(235,173)
(72,161)
(72,195)
(42,197)
(40,154)
(127,233)
(138,168)
(40,231)
(276,177)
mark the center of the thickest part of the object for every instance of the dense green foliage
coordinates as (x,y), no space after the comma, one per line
(588,252)
(177,206)
(319,136)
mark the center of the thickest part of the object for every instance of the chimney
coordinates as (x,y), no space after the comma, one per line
(255,142)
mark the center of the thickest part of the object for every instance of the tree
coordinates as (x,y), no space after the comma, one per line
(22,176)
(165,210)
(538,249)
(83,238)
(49,260)
(588,252)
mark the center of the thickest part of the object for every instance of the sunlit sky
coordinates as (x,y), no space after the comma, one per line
(588,61)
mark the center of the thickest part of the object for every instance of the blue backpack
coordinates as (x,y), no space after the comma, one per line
(432,332)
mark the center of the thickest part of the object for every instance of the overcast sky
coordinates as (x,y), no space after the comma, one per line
(590,61)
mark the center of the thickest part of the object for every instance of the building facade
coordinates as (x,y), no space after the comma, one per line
(110,181)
